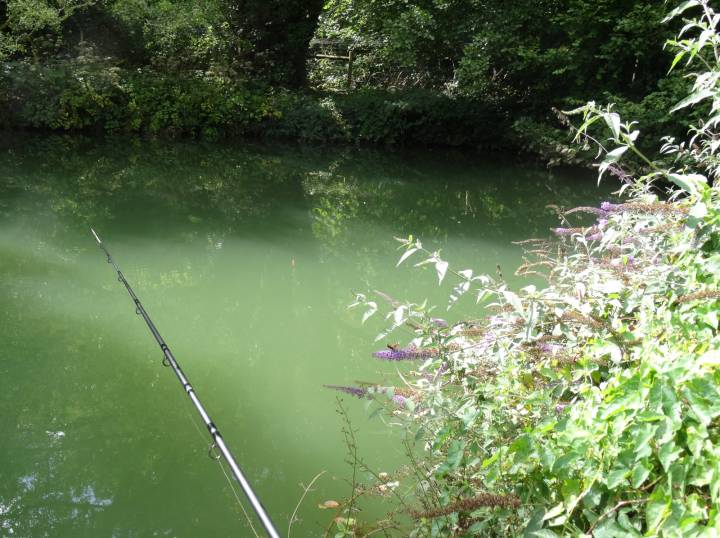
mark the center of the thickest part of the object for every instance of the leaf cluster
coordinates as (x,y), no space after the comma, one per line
(591,406)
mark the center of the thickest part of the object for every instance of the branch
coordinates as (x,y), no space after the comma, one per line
(307,488)
(613,509)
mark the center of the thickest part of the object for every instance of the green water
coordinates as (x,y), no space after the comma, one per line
(246,257)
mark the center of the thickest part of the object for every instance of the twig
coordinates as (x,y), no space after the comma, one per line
(613,509)
(307,488)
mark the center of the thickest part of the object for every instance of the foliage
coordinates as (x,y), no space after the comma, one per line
(86,94)
(380,117)
(176,36)
(398,43)
(588,407)
(84,64)
(532,53)
(521,59)
(279,32)
(34,27)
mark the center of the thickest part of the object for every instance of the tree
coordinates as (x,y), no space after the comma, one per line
(279,32)
(34,27)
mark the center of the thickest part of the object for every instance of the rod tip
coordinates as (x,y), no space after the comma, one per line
(96,236)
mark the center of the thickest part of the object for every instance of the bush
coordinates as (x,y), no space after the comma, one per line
(83,95)
(380,117)
(590,407)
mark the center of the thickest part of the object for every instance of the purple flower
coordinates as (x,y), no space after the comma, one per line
(619,173)
(585,209)
(571,231)
(399,400)
(404,354)
(629,240)
(594,237)
(354,391)
(559,408)
(610,208)
(545,347)
(439,322)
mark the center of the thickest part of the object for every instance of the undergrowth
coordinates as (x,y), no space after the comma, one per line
(590,406)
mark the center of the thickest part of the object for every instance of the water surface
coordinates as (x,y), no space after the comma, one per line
(246,257)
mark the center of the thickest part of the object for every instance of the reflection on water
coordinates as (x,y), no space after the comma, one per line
(246,257)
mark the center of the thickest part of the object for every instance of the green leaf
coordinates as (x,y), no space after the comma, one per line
(696,215)
(613,122)
(478,528)
(678,57)
(641,439)
(544,533)
(704,399)
(593,497)
(692,99)
(614,155)
(640,474)
(681,9)
(656,509)
(691,183)
(699,210)
(710,359)
(554,511)
(570,490)
(521,447)
(609,528)
(616,477)
(563,463)
(701,473)
(453,459)
(668,454)
(611,286)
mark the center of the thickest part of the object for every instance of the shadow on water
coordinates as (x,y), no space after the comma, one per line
(246,257)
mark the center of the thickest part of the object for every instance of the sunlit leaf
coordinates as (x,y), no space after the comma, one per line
(441,268)
(372,308)
(554,511)
(693,98)
(406,255)
(691,183)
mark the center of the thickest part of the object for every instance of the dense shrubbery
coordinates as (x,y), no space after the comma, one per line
(590,407)
(522,59)
(86,95)
(433,68)
(380,117)
(92,96)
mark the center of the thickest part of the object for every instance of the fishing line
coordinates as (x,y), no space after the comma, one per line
(222,468)
(170,361)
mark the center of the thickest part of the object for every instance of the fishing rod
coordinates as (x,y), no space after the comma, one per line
(169,360)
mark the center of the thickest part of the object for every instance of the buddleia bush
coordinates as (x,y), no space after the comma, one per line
(589,406)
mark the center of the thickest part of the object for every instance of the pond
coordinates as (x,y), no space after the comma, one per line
(246,256)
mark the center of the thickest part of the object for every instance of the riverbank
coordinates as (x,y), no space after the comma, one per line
(94,98)
(90,95)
